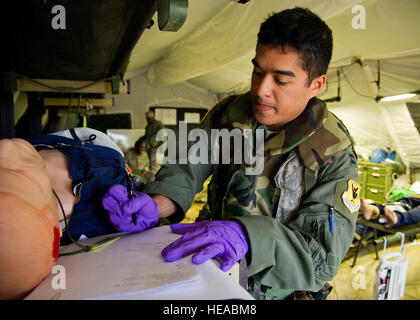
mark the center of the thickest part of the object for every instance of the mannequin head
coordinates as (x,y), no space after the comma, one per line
(29,228)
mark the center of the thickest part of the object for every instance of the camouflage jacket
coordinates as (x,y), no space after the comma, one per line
(299,213)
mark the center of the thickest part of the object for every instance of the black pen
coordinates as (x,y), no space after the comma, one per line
(331,220)
(130,196)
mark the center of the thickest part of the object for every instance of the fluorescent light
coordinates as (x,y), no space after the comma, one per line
(398,97)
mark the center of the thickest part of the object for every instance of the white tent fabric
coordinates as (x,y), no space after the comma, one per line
(403,132)
(224,41)
(214,48)
(229,36)
(380,124)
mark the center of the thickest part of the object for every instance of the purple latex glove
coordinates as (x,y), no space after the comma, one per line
(120,209)
(224,240)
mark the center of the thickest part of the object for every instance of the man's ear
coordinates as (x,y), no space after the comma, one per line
(317,84)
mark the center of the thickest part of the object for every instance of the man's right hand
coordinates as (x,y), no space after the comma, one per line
(121,209)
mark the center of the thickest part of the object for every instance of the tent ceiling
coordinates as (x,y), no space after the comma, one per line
(154,44)
(214,47)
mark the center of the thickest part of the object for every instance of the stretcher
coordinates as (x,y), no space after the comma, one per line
(408,231)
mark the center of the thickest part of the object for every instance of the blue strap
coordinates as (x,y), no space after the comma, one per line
(73,134)
(90,139)
(76,137)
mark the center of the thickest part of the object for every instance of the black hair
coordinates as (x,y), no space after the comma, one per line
(139,142)
(304,32)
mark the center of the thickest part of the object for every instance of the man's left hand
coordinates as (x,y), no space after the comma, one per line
(223,240)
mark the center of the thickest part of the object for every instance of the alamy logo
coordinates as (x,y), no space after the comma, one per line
(359,20)
(358,282)
(59,20)
(196,147)
(59,280)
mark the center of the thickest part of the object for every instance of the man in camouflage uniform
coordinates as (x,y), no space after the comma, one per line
(299,213)
(152,144)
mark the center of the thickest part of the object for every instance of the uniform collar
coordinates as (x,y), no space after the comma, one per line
(294,133)
(298,130)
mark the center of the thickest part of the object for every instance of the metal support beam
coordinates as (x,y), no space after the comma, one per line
(49,85)
(64,102)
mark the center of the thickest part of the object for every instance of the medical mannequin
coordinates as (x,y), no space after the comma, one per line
(29,226)
(80,165)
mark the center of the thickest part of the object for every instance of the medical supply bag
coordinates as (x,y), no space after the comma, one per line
(391,274)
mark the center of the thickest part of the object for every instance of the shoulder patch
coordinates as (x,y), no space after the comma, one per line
(347,197)
(351,197)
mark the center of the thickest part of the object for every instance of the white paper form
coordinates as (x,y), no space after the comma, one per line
(129,266)
(214,285)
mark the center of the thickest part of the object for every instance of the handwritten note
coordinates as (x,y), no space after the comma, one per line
(130,266)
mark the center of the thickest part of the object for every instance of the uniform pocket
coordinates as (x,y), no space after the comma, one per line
(326,243)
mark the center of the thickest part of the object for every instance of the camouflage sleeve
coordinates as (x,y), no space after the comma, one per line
(308,251)
(181,182)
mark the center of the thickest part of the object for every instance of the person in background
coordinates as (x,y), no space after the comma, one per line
(152,144)
(137,158)
(405,211)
